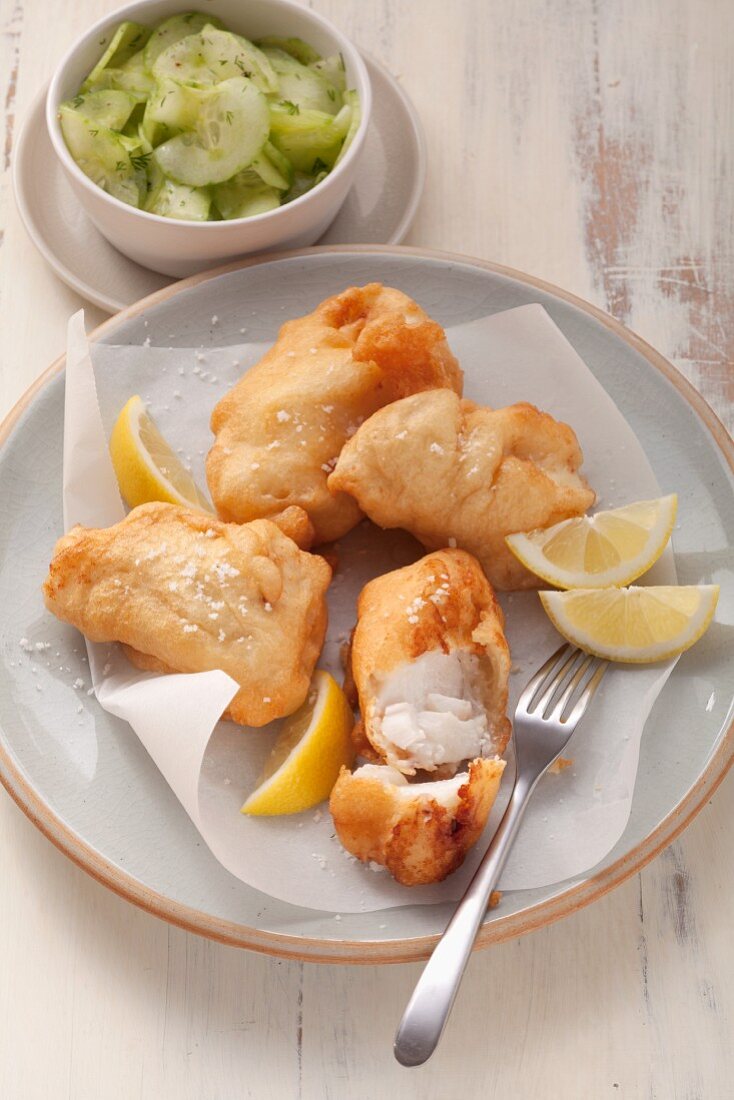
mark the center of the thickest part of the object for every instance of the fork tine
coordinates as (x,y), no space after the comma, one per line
(539,678)
(557,682)
(587,695)
(571,687)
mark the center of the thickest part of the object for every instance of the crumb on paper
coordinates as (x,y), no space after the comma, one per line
(494,899)
(560,764)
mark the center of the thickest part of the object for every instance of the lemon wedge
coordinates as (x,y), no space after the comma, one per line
(307,757)
(146,467)
(633,625)
(610,548)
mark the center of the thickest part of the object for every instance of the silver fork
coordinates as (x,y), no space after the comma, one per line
(549,710)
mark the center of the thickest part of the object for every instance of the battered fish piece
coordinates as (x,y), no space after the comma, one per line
(420,831)
(185,592)
(280,430)
(431,665)
(455,473)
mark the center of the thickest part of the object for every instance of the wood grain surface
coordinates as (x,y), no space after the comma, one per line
(590,143)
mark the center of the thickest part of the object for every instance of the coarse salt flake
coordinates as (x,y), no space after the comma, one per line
(224,569)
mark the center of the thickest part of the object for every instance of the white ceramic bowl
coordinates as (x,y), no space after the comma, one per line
(183,247)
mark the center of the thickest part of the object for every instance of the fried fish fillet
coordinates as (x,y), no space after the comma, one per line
(455,473)
(280,430)
(431,665)
(185,592)
(420,831)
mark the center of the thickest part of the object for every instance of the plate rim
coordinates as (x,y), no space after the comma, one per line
(372,952)
(113,306)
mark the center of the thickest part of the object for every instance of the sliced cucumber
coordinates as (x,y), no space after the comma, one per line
(175,200)
(296,47)
(174,29)
(122,81)
(172,108)
(310,139)
(135,76)
(301,184)
(231,129)
(351,100)
(273,168)
(175,106)
(145,146)
(126,41)
(244,195)
(214,56)
(111,109)
(130,143)
(332,68)
(102,156)
(303,86)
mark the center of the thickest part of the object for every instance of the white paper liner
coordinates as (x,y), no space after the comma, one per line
(575,818)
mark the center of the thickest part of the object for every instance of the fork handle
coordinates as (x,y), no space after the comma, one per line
(428,1009)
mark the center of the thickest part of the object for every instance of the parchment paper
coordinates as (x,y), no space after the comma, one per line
(575,817)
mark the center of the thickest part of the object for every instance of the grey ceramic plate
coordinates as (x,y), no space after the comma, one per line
(87,781)
(379,209)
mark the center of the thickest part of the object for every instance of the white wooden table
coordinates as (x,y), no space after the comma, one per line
(586,142)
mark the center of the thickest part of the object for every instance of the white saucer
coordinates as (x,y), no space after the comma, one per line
(378,210)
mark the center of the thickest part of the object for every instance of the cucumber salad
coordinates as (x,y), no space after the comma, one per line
(189,120)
